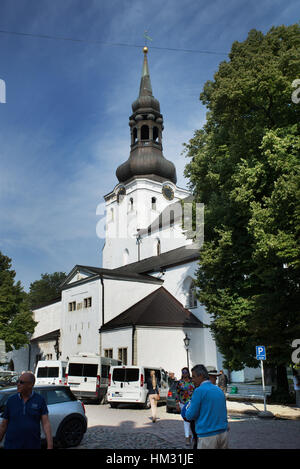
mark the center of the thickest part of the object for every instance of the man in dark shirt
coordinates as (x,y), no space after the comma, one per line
(22,417)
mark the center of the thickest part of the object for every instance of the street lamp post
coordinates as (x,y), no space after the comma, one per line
(186,341)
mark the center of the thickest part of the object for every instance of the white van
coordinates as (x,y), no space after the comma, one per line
(87,375)
(128,385)
(50,372)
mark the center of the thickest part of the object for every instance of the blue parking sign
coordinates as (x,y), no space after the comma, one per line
(260,352)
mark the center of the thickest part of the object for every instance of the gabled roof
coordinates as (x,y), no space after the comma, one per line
(97,272)
(158,309)
(171,258)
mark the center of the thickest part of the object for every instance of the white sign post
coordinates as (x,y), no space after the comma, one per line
(261,355)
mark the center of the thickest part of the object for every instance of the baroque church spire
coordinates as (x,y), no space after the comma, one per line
(146,125)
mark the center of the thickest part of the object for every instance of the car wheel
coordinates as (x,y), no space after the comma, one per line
(113,405)
(71,432)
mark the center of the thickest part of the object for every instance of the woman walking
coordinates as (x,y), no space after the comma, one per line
(184,391)
(153,391)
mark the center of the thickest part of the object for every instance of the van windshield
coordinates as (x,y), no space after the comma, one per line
(83,369)
(125,374)
(48,372)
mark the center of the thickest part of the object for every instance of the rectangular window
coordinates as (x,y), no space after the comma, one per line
(128,374)
(80,369)
(87,302)
(72,306)
(108,352)
(104,371)
(122,355)
(47,372)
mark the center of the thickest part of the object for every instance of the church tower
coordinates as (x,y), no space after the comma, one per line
(147,185)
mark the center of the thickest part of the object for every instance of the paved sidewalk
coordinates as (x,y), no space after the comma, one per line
(130,428)
(254,408)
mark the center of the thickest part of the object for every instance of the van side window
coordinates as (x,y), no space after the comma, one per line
(104,371)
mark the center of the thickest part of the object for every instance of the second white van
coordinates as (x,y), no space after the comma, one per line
(128,385)
(50,372)
(87,375)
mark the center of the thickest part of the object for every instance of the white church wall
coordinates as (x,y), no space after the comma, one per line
(48,319)
(119,295)
(176,281)
(165,347)
(135,211)
(79,330)
(20,359)
(119,338)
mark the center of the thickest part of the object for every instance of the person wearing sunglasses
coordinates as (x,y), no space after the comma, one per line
(22,416)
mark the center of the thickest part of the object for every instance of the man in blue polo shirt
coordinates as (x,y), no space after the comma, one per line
(22,417)
(208,408)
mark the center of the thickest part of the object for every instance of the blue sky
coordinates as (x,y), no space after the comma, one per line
(64,126)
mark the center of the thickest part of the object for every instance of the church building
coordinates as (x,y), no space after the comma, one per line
(140,306)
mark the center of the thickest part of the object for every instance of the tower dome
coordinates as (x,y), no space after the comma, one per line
(146,126)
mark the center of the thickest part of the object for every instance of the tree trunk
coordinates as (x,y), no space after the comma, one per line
(270,375)
(282,381)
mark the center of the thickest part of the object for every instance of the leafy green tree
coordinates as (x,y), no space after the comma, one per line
(16,322)
(244,166)
(46,289)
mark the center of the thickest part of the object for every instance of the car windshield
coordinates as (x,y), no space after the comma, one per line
(125,374)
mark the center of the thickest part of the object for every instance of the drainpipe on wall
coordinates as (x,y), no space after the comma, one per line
(132,346)
(102,283)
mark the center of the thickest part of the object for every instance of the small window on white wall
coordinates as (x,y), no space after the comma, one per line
(157,247)
(190,292)
(125,257)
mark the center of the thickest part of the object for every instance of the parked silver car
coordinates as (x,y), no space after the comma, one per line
(66,413)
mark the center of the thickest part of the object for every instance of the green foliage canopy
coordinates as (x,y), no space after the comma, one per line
(46,289)
(16,322)
(244,166)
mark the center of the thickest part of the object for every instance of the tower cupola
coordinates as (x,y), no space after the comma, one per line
(146,126)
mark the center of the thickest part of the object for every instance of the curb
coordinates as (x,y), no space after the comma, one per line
(262,414)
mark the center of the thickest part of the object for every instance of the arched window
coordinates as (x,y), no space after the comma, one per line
(125,257)
(190,292)
(144,132)
(158,247)
(153,203)
(155,134)
(130,206)
(171,218)
(134,135)
(192,296)
(79,339)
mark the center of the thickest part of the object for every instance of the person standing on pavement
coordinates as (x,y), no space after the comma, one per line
(223,381)
(208,408)
(213,374)
(22,416)
(296,381)
(184,391)
(153,391)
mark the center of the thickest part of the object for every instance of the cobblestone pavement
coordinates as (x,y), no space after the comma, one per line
(131,428)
